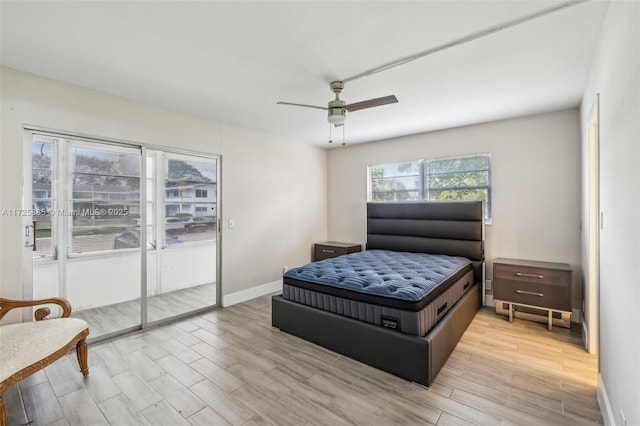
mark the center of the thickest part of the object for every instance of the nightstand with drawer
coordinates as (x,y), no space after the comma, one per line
(331,249)
(538,291)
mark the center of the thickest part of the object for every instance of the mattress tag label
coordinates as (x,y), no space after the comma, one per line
(390,322)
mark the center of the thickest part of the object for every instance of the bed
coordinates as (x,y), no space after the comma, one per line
(401,328)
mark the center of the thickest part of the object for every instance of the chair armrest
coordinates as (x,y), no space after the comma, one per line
(8,304)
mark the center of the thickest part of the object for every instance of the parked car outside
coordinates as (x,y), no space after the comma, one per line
(204,222)
(130,238)
(175,225)
(195,224)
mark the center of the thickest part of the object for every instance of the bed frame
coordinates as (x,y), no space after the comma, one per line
(453,228)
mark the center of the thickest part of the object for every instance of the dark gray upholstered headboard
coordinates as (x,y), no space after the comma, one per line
(440,227)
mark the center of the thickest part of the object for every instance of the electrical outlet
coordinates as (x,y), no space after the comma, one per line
(285,269)
(488,284)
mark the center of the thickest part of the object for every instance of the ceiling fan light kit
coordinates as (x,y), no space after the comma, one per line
(337,112)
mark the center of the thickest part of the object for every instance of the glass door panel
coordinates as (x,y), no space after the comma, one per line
(102,273)
(43,218)
(41,195)
(85,197)
(186,273)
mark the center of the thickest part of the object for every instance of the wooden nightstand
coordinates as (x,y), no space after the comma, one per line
(331,249)
(538,291)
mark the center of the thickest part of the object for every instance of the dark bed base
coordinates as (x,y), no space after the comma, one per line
(452,228)
(418,359)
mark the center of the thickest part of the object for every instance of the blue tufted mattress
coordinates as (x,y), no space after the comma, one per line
(399,290)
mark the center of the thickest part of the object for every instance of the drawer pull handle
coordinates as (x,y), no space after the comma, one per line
(522,274)
(328,251)
(530,293)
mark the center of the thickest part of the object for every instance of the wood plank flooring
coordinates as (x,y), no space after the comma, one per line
(230,367)
(123,315)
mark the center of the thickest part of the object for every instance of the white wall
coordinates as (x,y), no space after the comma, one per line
(535,165)
(274,188)
(615,75)
(278,203)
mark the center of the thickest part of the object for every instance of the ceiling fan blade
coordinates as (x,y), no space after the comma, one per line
(391,99)
(302,105)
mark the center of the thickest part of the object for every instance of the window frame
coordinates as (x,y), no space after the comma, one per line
(423,189)
(99,145)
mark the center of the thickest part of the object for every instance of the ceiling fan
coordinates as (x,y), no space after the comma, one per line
(337,108)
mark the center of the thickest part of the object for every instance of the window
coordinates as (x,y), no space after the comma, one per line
(106,195)
(191,217)
(396,182)
(440,179)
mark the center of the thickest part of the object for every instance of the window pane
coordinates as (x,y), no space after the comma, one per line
(41,197)
(180,171)
(105,197)
(460,164)
(190,200)
(461,179)
(394,170)
(128,229)
(458,195)
(458,178)
(105,163)
(396,196)
(395,182)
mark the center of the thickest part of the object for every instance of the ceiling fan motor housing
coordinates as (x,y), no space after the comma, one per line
(336,87)
(337,112)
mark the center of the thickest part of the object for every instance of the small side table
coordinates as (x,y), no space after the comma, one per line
(329,249)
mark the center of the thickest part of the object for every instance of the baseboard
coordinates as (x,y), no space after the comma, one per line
(251,293)
(488,300)
(576,315)
(603,401)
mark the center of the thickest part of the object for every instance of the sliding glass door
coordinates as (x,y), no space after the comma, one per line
(184,260)
(87,203)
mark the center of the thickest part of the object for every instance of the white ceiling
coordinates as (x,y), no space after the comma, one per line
(232,61)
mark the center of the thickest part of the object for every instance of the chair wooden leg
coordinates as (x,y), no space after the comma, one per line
(3,411)
(81,352)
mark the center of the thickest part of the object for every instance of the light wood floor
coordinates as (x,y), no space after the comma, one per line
(230,366)
(120,316)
